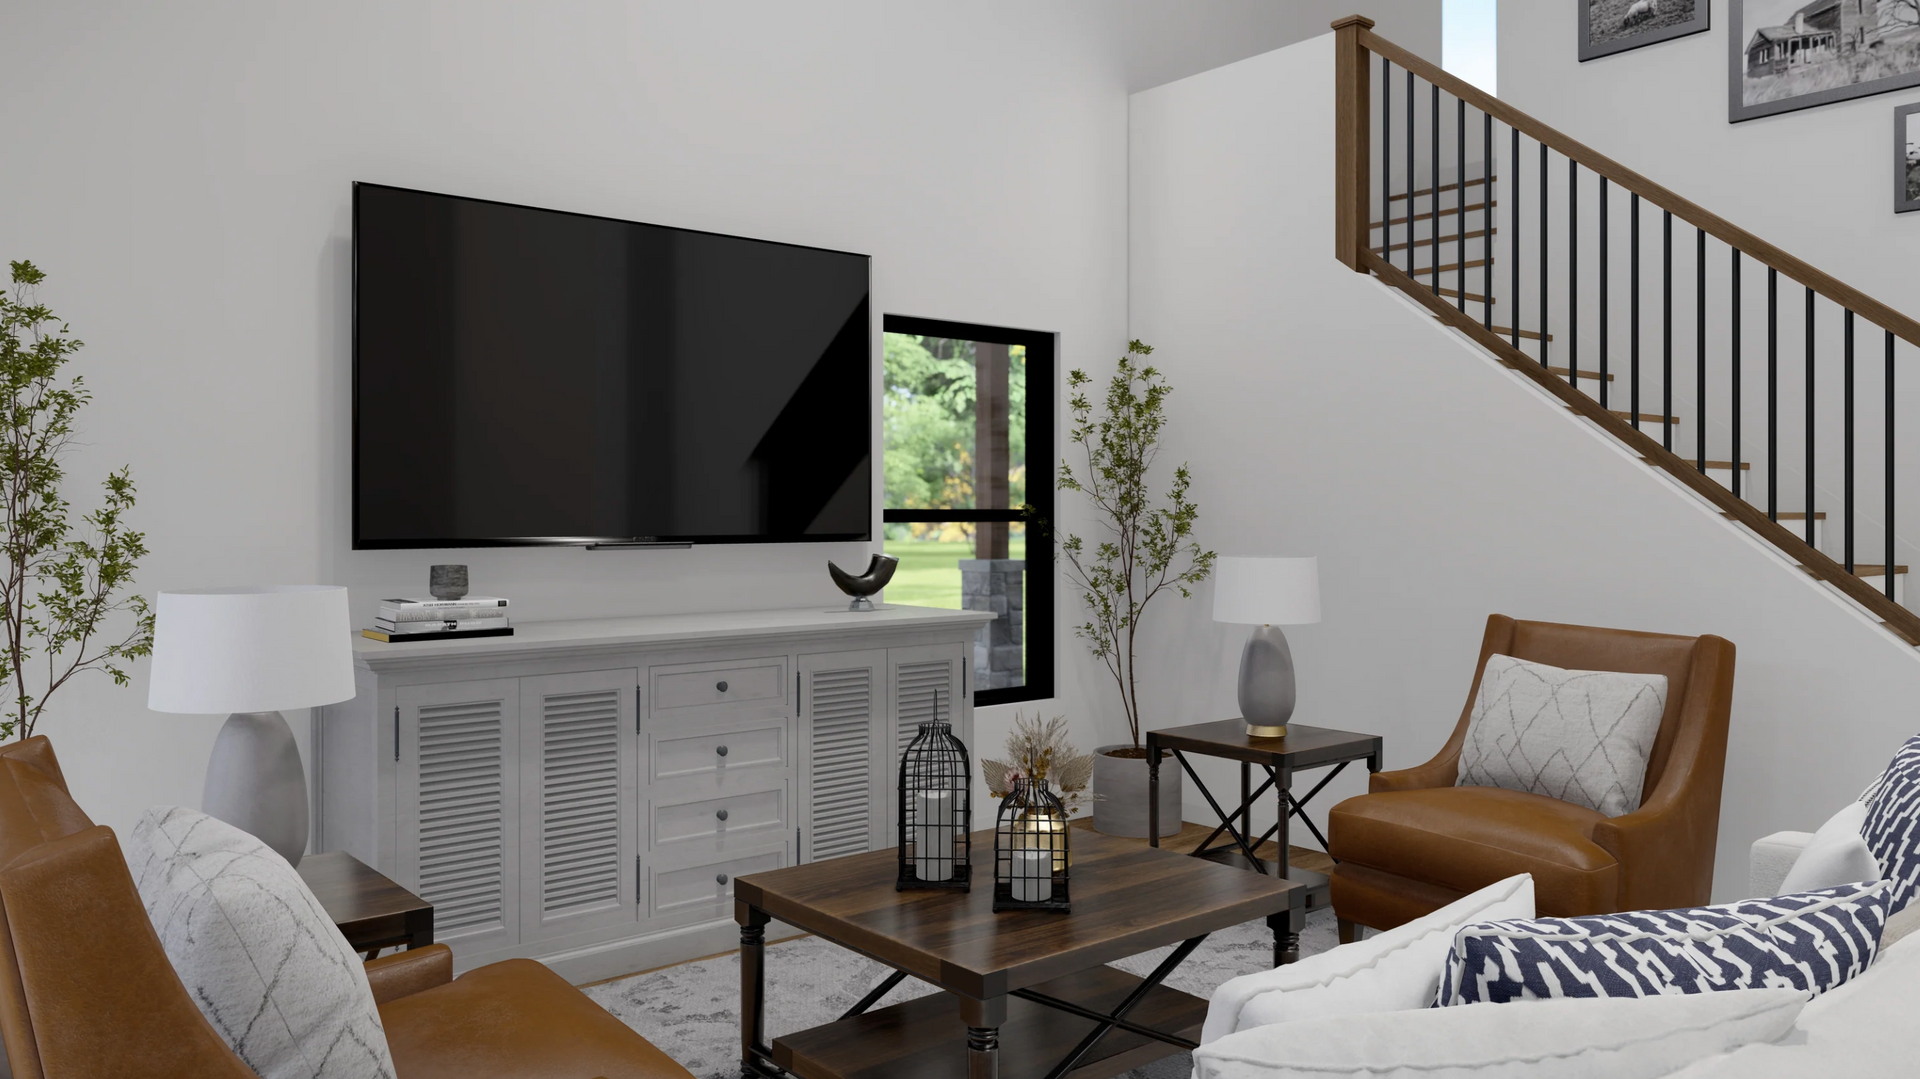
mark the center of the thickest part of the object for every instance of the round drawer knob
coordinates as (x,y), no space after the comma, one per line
(721,685)
(722,878)
(720,750)
(722,814)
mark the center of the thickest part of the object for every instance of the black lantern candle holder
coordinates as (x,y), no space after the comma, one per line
(935,781)
(1030,853)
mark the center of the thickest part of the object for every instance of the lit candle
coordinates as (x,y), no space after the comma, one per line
(933,834)
(1032,875)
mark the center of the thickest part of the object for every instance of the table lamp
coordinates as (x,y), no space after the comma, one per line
(253,651)
(1267,593)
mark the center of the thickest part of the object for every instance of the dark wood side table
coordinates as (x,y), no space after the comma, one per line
(1029,994)
(371,910)
(1302,748)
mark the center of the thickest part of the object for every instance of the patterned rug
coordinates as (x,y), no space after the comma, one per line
(691,1011)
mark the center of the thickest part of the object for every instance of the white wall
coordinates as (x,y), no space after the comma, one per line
(182,173)
(1324,415)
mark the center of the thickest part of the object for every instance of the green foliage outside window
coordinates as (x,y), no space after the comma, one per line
(929,410)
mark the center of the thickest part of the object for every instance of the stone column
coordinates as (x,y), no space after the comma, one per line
(994,584)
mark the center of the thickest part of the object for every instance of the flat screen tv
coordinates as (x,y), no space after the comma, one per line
(526,376)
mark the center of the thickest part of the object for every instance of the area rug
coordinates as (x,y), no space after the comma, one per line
(691,1011)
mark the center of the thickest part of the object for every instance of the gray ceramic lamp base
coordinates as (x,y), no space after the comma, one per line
(1266,683)
(256,784)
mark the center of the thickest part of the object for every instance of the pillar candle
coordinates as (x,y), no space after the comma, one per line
(1032,875)
(933,834)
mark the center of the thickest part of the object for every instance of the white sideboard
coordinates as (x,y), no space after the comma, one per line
(585,792)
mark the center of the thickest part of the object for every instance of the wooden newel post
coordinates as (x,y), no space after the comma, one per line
(1352,140)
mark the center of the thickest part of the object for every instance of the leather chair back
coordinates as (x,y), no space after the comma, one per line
(86,988)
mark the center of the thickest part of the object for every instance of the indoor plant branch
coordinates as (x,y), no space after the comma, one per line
(1150,547)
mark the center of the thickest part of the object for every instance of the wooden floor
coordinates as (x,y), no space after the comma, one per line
(1191,834)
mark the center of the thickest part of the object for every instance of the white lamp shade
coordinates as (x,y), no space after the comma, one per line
(1267,591)
(251,649)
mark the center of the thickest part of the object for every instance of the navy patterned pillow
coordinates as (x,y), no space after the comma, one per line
(1892,827)
(1811,941)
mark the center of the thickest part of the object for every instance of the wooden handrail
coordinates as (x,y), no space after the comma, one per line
(1354,38)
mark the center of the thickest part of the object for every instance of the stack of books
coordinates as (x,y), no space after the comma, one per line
(440,619)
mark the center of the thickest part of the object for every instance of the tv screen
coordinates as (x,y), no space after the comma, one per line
(526,376)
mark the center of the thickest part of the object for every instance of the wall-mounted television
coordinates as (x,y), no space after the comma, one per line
(525,376)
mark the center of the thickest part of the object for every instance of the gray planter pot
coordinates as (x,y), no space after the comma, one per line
(1121,783)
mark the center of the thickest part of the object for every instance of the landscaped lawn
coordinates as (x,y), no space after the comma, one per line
(929,573)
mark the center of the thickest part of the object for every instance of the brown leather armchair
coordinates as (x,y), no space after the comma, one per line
(87,991)
(1416,842)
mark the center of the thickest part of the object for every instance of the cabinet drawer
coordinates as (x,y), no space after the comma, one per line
(705,890)
(702,686)
(719,755)
(716,823)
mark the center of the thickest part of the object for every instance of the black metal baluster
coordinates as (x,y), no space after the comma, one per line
(1773,394)
(1513,242)
(1486,244)
(1412,246)
(1846,428)
(1603,292)
(1735,352)
(1666,331)
(1700,347)
(1386,159)
(1633,308)
(1433,164)
(1573,273)
(1889,444)
(1810,417)
(1460,174)
(1543,254)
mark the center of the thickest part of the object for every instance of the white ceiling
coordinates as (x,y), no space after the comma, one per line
(1163,40)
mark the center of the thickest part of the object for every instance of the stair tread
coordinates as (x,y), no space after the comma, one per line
(1476,234)
(1472,297)
(1561,371)
(1507,331)
(1449,267)
(1820,515)
(1902,634)
(1872,569)
(1645,417)
(1443,187)
(1429,215)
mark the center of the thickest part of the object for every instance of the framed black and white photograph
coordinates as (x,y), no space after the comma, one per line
(1610,26)
(1784,55)
(1906,158)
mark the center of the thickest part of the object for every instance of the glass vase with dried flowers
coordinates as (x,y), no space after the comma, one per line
(1039,750)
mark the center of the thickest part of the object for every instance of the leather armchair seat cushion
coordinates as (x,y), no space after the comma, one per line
(1461,839)
(515,1020)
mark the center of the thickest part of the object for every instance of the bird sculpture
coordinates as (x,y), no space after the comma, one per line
(879,572)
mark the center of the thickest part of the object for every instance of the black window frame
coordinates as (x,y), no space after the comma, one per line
(1037,515)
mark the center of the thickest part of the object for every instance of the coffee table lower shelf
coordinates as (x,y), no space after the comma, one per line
(925,1038)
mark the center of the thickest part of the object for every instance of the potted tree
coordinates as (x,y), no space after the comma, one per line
(1148,550)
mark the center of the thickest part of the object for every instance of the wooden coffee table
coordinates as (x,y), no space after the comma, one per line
(1033,984)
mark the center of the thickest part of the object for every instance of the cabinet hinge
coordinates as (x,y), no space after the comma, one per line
(799,706)
(636,709)
(636,878)
(396,732)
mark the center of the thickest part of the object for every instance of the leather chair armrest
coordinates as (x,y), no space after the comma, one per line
(403,974)
(1439,772)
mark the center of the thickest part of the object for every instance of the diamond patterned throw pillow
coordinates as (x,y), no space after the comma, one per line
(1892,828)
(1579,736)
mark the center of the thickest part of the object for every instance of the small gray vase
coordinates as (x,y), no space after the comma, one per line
(447,582)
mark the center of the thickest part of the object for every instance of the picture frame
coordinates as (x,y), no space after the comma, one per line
(1906,158)
(1788,55)
(1614,26)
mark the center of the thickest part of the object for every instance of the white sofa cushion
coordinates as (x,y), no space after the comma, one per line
(1391,971)
(1836,855)
(1587,1039)
(1579,736)
(1771,858)
(263,961)
(1864,1028)
(1893,824)
(1811,942)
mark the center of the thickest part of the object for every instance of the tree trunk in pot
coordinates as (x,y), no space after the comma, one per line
(1121,784)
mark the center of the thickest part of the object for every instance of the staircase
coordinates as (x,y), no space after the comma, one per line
(1758,383)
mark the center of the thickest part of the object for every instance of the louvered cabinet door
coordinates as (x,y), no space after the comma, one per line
(927,682)
(458,807)
(579,763)
(845,763)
